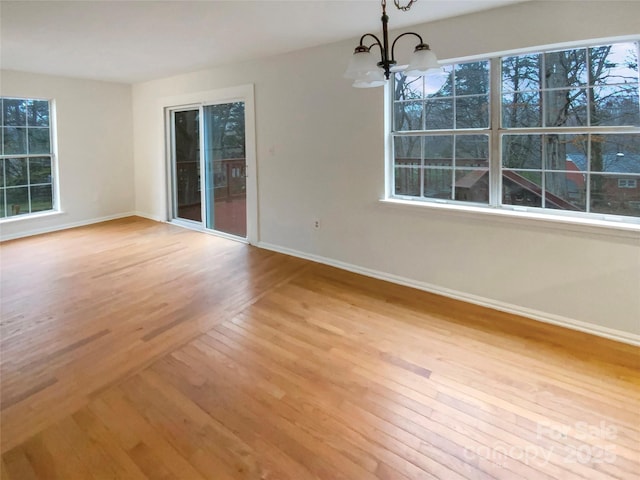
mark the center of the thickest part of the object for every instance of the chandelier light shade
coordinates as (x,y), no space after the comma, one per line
(423,61)
(368,70)
(372,80)
(362,63)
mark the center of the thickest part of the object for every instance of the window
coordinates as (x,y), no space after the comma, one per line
(562,133)
(26,160)
(452,146)
(627,183)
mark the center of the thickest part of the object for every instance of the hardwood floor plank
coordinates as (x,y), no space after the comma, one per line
(313,395)
(283,425)
(151,351)
(449,412)
(260,435)
(24,395)
(95,433)
(16,466)
(132,430)
(68,348)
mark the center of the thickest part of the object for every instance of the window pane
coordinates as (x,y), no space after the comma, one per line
(14,112)
(472,78)
(40,170)
(565,191)
(15,140)
(521,73)
(438,151)
(566,152)
(566,108)
(38,113)
(407,148)
(522,151)
(15,170)
(447,88)
(438,182)
(522,188)
(408,88)
(521,110)
(615,106)
(439,114)
(616,153)
(567,68)
(17,201)
(614,64)
(407,179)
(407,165)
(472,112)
(608,197)
(408,116)
(39,140)
(3,210)
(472,150)
(41,198)
(472,185)
(1,172)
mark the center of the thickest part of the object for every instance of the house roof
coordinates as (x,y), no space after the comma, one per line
(613,163)
(470,179)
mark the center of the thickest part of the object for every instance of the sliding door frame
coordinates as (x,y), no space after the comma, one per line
(173,167)
(198,100)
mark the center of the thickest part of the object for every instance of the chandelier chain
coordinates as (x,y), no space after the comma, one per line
(406,7)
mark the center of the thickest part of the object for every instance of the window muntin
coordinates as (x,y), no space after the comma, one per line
(566,134)
(26,157)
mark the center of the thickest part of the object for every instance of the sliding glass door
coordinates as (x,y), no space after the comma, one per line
(225,168)
(208,167)
(186,165)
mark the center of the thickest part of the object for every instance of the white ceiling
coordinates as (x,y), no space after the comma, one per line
(133,41)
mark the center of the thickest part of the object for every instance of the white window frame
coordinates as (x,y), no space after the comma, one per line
(496,133)
(53,144)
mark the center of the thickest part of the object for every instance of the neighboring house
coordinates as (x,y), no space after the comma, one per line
(620,189)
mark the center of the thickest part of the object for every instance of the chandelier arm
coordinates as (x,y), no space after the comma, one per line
(377,40)
(393,45)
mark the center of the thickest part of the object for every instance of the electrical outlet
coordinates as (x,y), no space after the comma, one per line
(316,224)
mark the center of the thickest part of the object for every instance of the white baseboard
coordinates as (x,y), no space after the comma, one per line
(148,216)
(64,226)
(618,335)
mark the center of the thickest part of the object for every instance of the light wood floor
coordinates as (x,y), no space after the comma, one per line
(133,349)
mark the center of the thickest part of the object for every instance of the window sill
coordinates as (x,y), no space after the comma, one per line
(33,216)
(529,219)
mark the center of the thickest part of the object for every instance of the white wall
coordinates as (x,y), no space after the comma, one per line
(95,149)
(320,150)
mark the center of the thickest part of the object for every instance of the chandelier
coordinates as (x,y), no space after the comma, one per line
(366,71)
